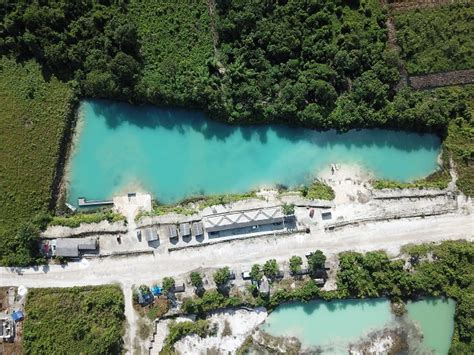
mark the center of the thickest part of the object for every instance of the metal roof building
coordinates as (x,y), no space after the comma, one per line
(172,231)
(241,219)
(73,247)
(150,234)
(184,229)
(198,228)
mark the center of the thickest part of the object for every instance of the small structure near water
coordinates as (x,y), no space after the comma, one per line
(82,202)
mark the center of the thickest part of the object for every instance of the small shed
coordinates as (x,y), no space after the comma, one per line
(198,228)
(179,288)
(319,281)
(172,231)
(326,215)
(18,316)
(156,290)
(151,235)
(184,229)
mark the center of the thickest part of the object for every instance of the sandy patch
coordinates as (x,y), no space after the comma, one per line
(233,327)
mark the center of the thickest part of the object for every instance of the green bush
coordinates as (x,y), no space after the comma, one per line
(316,261)
(318,191)
(196,279)
(168,284)
(222,276)
(270,269)
(295,264)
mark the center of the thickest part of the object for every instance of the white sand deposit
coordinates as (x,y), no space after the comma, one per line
(239,323)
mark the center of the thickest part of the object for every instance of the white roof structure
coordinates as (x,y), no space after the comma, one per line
(241,219)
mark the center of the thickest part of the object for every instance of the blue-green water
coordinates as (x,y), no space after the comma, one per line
(436,319)
(175,153)
(332,326)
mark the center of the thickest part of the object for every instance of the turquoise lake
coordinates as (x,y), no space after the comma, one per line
(332,326)
(176,153)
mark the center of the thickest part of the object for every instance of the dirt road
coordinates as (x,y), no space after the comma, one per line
(239,255)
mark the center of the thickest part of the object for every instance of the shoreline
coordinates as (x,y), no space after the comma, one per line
(74,138)
(65,146)
(376,338)
(79,121)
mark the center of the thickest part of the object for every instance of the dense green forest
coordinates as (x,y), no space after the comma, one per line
(316,63)
(176,43)
(437,39)
(91,43)
(78,320)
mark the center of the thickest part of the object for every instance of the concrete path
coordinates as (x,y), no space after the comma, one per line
(241,253)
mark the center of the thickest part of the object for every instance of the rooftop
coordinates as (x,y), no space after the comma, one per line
(71,247)
(243,218)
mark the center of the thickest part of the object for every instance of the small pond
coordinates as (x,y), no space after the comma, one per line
(332,326)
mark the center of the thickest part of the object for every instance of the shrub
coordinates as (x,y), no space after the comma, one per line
(270,269)
(316,261)
(288,209)
(168,285)
(256,273)
(222,277)
(295,264)
(196,279)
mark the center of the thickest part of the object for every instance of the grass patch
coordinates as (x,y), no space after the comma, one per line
(158,308)
(80,320)
(438,180)
(176,43)
(318,191)
(437,39)
(193,205)
(75,220)
(33,118)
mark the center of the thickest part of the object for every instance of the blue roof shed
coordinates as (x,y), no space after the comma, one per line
(156,290)
(18,316)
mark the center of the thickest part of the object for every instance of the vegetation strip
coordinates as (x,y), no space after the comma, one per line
(82,320)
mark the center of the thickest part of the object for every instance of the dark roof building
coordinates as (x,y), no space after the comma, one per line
(74,247)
